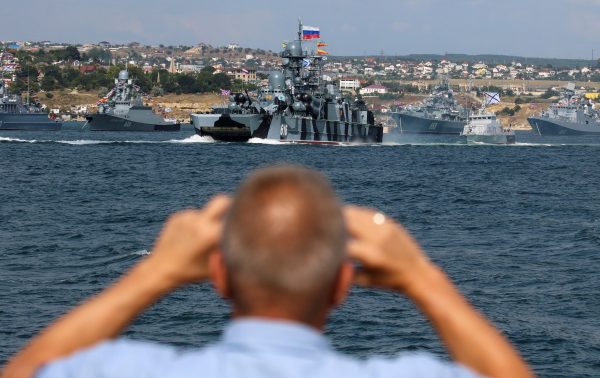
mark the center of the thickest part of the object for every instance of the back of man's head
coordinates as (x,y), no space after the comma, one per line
(284,239)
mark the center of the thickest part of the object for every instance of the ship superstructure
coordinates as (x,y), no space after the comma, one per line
(18,115)
(297,105)
(440,113)
(483,127)
(122,109)
(572,115)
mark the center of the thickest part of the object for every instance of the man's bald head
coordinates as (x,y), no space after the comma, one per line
(284,235)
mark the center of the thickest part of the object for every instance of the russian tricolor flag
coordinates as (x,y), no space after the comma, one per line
(310,32)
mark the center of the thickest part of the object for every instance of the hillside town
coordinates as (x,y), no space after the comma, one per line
(243,63)
(51,68)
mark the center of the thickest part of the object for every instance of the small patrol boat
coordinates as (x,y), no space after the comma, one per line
(484,128)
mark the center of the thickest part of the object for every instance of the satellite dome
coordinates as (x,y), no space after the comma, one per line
(294,48)
(276,81)
(124,75)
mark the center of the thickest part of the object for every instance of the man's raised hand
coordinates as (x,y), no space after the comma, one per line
(389,257)
(182,250)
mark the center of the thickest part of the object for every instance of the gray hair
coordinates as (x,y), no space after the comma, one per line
(285,232)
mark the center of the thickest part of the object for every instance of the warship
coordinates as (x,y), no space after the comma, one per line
(439,113)
(483,127)
(18,115)
(297,105)
(122,109)
(572,115)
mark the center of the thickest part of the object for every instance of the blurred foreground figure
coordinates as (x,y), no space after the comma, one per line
(283,252)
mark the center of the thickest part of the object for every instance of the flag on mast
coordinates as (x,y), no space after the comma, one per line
(491,98)
(322,52)
(322,44)
(310,32)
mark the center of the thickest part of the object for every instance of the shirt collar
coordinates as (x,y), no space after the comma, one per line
(261,333)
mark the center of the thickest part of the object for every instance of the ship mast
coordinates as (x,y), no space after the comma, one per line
(2,66)
(28,90)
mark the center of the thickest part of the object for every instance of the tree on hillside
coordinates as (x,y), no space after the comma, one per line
(70,77)
(26,77)
(70,53)
(550,93)
(98,55)
(140,78)
(48,83)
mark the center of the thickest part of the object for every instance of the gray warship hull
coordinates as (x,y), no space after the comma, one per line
(284,128)
(415,124)
(228,127)
(28,122)
(139,118)
(490,139)
(296,105)
(547,126)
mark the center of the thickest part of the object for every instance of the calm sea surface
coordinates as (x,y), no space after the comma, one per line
(516,227)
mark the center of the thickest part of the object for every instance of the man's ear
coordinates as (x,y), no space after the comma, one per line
(218,274)
(343,283)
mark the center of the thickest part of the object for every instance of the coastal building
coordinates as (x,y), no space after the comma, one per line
(87,68)
(191,68)
(246,75)
(349,84)
(373,89)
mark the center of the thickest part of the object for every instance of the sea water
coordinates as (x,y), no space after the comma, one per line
(516,227)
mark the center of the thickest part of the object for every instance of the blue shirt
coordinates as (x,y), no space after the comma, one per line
(250,348)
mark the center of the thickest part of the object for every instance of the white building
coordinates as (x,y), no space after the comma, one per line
(191,67)
(372,89)
(349,84)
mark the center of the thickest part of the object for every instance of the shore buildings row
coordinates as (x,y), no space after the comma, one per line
(250,65)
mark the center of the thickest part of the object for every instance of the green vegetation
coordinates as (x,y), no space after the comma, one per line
(509,111)
(390,96)
(38,69)
(495,89)
(549,93)
(401,88)
(523,100)
(203,82)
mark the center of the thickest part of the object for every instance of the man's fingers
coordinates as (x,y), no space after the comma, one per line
(217,206)
(359,220)
(360,251)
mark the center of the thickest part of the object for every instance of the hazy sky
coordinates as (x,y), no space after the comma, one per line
(540,28)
